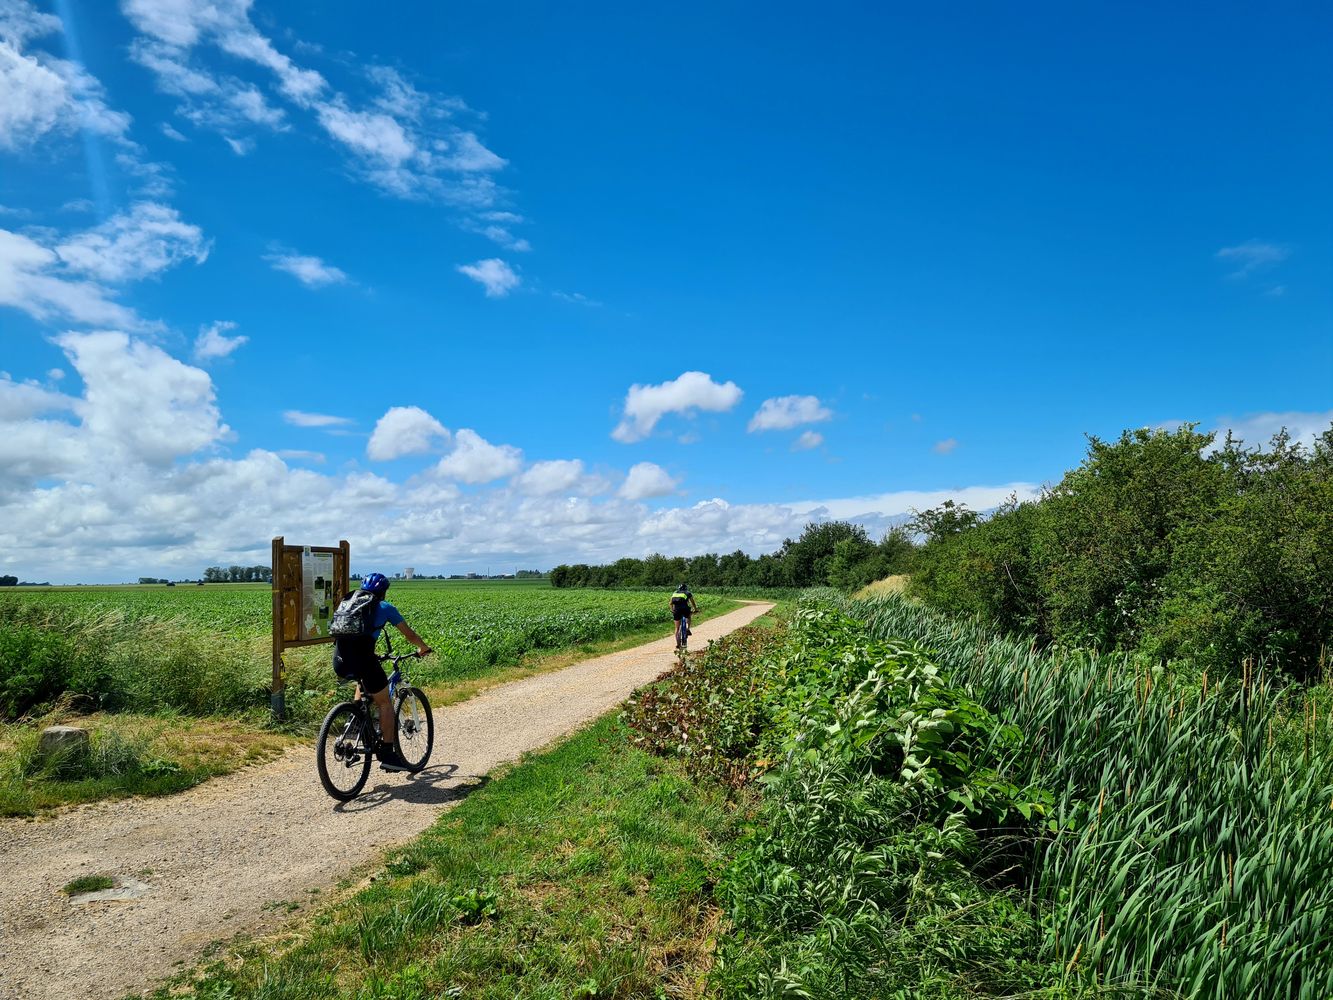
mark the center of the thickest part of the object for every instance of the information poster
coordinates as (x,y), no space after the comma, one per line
(316,593)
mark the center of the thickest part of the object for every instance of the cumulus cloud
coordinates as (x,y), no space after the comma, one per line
(405,430)
(647,480)
(475,460)
(213,341)
(785,412)
(309,271)
(645,405)
(807,441)
(128,472)
(493,274)
(563,476)
(299,418)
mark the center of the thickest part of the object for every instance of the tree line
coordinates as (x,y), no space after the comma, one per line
(831,553)
(1169,544)
(238,574)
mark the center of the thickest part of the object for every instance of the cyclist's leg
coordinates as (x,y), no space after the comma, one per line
(388,721)
(373,682)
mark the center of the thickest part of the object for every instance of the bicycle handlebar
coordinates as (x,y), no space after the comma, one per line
(414,655)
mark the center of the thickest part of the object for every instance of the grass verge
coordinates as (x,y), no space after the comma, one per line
(584,871)
(130,755)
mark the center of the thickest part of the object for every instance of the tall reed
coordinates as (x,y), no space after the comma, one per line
(1191,848)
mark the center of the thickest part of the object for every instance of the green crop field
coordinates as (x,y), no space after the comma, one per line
(87,639)
(458,618)
(150,666)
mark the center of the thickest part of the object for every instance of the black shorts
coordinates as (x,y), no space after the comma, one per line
(364,668)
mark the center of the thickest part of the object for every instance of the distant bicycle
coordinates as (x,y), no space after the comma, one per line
(346,747)
(682,634)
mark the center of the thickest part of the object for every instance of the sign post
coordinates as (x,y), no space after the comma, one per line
(308,583)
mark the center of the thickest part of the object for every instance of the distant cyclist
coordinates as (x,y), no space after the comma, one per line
(354,659)
(682,607)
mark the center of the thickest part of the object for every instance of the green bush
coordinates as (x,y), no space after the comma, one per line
(1158,542)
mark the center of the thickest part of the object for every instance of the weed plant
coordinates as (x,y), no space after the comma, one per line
(887,855)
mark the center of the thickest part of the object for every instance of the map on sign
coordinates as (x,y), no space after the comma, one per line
(316,593)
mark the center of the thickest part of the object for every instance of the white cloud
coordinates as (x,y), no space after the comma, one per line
(299,418)
(647,480)
(645,405)
(577,298)
(299,455)
(171,133)
(33,280)
(785,412)
(881,506)
(497,277)
(126,478)
(405,430)
(475,460)
(41,94)
(213,342)
(564,476)
(946,446)
(404,141)
(1252,256)
(807,441)
(132,245)
(310,271)
(21,400)
(140,404)
(1257,429)
(70,279)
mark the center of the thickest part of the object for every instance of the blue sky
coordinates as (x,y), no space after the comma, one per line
(483,284)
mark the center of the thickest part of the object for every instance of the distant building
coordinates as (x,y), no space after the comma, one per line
(409,573)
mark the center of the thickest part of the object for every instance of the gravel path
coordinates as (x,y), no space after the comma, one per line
(226,856)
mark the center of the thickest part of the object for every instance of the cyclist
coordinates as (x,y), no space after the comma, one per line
(354,659)
(682,606)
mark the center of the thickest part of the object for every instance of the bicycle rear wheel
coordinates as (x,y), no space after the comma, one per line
(416,727)
(342,754)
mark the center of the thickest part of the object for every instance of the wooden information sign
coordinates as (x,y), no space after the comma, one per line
(308,583)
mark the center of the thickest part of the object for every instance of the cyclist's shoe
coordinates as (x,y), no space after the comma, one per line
(390,759)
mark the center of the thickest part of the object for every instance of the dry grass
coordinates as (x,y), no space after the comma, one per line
(895,584)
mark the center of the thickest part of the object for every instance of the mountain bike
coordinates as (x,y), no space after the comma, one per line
(347,739)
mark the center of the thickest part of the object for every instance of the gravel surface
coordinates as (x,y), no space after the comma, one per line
(225,857)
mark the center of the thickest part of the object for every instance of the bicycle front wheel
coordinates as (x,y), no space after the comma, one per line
(342,754)
(416,727)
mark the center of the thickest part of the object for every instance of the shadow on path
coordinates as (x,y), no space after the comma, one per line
(430,787)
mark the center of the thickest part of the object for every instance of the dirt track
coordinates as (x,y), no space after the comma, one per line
(224,857)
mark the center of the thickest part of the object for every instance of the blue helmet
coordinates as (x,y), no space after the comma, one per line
(376,583)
